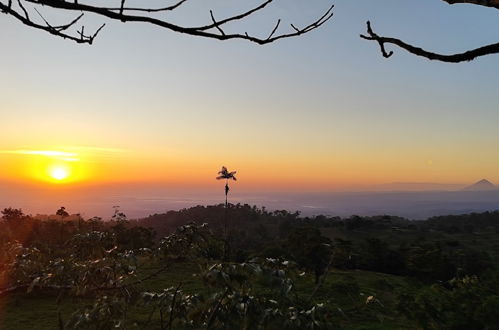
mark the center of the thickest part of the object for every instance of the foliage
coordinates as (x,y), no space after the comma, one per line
(236,300)
(461,304)
(310,250)
(12,214)
(62,212)
(290,272)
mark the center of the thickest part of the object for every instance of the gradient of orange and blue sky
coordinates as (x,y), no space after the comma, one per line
(320,112)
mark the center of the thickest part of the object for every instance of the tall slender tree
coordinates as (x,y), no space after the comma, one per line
(224,174)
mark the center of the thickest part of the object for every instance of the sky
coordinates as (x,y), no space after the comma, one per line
(321,112)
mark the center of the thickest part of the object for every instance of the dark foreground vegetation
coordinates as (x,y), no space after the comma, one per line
(192,269)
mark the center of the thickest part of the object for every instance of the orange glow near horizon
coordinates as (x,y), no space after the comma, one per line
(44,166)
(153,165)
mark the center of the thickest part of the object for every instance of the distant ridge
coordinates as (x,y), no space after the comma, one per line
(482,185)
(416,186)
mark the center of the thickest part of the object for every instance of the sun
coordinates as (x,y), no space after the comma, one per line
(59,173)
(55,167)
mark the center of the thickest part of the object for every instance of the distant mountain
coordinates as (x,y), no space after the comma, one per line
(482,185)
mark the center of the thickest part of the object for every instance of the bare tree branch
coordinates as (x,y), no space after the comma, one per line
(486,3)
(213,30)
(217,28)
(453,58)
(468,55)
(55,30)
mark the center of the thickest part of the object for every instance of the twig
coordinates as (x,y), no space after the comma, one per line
(55,30)
(170,321)
(149,10)
(215,310)
(23,9)
(275,29)
(216,24)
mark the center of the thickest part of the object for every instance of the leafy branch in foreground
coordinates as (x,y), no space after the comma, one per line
(254,295)
(216,29)
(257,294)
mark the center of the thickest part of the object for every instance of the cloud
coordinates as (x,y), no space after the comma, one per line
(48,153)
(57,154)
(72,155)
(99,149)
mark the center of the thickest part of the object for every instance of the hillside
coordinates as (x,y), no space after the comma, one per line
(269,268)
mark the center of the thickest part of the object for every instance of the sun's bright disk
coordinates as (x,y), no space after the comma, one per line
(59,173)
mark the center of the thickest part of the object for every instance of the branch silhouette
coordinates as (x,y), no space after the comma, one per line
(465,56)
(486,3)
(452,58)
(214,30)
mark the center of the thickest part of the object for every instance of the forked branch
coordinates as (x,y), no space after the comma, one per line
(57,30)
(215,30)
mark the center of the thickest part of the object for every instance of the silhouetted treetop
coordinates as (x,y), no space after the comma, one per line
(12,214)
(62,212)
(225,174)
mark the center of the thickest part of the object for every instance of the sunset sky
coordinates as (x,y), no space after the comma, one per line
(320,112)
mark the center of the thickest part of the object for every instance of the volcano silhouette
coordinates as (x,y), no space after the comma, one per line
(482,185)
